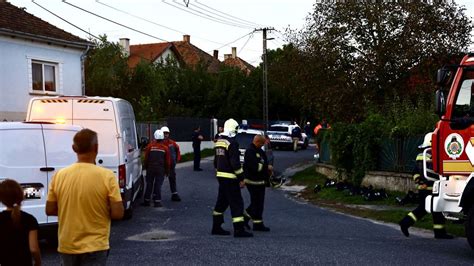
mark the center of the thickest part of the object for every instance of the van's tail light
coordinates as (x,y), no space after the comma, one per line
(122,177)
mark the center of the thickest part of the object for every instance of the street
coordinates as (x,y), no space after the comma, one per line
(301,234)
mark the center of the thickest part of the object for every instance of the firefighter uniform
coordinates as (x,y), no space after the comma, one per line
(229,175)
(425,188)
(256,179)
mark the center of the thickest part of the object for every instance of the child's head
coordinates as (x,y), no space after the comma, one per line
(11,193)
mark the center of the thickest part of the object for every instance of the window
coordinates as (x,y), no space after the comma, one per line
(44,76)
(465,99)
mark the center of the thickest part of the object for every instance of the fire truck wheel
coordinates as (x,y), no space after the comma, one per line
(469,227)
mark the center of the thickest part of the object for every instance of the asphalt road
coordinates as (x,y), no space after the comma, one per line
(301,234)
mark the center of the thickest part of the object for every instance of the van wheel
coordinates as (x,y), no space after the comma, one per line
(469,227)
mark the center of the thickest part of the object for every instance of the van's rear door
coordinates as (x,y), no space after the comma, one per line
(56,110)
(58,141)
(23,159)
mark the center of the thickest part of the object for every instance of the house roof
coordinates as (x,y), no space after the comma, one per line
(192,56)
(148,52)
(239,63)
(16,21)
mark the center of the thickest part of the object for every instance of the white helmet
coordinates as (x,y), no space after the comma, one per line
(427,141)
(165,129)
(230,127)
(159,134)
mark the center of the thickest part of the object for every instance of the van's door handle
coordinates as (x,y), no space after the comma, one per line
(47,169)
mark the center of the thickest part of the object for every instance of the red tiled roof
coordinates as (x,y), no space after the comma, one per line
(239,63)
(192,56)
(17,20)
(148,52)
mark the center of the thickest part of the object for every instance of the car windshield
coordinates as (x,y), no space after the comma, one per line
(465,99)
(279,128)
(244,140)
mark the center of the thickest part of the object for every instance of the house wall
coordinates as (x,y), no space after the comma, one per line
(15,73)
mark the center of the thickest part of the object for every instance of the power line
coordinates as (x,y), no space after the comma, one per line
(225,17)
(120,24)
(152,22)
(227,44)
(227,14)
(205,16)
(243,46)
(77,27)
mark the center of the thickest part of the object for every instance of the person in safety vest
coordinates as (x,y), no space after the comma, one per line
(257,174)
(157,165)
(175,156)
(230,176)
(424,187)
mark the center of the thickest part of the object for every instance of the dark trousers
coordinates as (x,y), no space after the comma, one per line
(172,179)
(420,211)
(91,258)
(154,181)
(197,157)
(257,200)
(229,195)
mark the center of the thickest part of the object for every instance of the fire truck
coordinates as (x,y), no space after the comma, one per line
(453,145)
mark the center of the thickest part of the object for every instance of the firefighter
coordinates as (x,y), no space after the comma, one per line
(425,187)
(230,176)
(175,155)
(257,174)
(157,165)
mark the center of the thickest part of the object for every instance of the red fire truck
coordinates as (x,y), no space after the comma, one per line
(453,145)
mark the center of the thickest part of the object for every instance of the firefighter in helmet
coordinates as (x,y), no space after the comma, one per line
(425,188)
(230,176)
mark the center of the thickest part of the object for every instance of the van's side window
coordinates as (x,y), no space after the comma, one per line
(130,134)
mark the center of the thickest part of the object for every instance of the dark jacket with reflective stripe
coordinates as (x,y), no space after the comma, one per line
(157,158)
(419,177)
(227,158)
(255,164)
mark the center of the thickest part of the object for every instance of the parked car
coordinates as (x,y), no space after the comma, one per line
(31,155)
(114,121)
(245,137)
(280,136)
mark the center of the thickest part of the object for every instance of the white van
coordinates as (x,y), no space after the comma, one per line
(114,121)
(31,154)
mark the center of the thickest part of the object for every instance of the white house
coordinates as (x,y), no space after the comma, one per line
(36,58)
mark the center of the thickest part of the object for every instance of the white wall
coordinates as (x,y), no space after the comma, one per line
(187,146)
(167,54)
(15,58)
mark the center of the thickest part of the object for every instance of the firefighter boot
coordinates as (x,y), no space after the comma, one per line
(239,230)
(218,220)
(260,227)
(441,234)
(405,223)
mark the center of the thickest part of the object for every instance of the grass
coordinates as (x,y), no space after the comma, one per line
(354,205)
(190,156)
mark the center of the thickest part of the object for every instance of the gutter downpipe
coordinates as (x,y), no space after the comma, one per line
(83,71)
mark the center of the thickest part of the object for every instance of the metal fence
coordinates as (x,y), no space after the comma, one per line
(181,127)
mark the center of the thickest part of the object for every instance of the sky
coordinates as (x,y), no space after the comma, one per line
(212,24)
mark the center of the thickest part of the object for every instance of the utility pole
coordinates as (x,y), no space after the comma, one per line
(265,76)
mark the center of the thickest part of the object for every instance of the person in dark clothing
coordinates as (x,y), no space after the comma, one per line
(197,138)
(175,156)
(296,136)
(18,229)
(425,188)
(219,131)
(230,176)
(157,164)
(256,178)
(307,129)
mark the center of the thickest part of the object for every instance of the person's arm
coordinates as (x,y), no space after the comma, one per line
(116,210)
(52,208)
(178,152)
(34,247)
(115,199)
(52,201)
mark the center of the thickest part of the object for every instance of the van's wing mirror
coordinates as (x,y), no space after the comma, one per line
(443,76)
(440,103)
(143,142)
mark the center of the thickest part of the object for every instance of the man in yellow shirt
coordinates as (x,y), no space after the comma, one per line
(85,197)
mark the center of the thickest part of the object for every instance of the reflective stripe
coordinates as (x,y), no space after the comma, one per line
(214,213)
(420,187)
(438,226)
(416,176)
(420,157)
(221,145)
(258,155)
(237,219)
(251,182)
(226,175)
(412,216)
(257,221)
(260,167)
(238,172)
(246,214)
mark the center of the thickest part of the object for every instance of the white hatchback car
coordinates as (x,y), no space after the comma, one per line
(245,137)
(280,136)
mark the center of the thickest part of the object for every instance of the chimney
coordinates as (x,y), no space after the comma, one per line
(226,56)
(234,52)
(187,38)
(216,54)
(125,43)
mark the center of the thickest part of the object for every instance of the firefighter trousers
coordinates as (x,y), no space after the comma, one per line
(229,195)
(257,200)
(172,179)
(154,181)
(419,212)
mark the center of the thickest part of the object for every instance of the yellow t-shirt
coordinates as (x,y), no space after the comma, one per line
(83,192)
